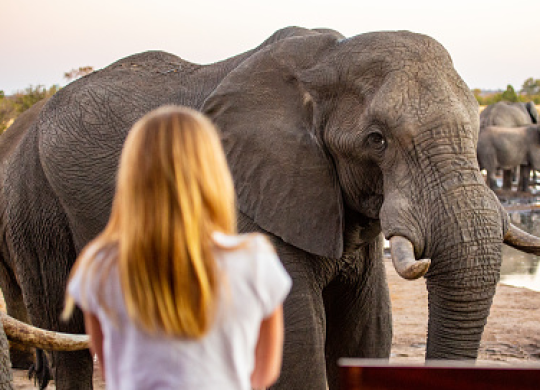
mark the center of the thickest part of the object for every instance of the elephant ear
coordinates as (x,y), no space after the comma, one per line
(531,108)
(284,178)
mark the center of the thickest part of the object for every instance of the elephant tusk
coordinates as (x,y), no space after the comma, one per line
(517,238)
(404,260)
(23,333)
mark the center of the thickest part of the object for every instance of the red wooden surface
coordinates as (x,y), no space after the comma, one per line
(358,374)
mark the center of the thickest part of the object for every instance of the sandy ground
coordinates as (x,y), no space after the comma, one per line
(511,337)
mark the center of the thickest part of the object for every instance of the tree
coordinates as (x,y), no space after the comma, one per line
(510,94)
(531,87)
(74,74)
(2,94)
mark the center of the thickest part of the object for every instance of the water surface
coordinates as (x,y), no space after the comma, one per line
(518,268)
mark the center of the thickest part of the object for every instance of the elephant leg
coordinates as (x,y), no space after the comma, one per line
(44,256)
(491,181)
(303,355)
(358,312)
(507,179)
(524,178)
(21,356)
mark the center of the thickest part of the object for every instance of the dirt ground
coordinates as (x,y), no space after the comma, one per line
(511,337)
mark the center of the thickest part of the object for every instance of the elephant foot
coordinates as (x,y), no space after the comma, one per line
(40,370)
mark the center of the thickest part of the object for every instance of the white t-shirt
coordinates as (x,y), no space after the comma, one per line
(255,285)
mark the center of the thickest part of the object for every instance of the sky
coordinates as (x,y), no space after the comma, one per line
(493,43)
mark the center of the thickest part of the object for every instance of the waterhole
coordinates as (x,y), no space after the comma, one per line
(521,269)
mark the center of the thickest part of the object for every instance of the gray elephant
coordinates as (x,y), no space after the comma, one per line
(333,143)
(509,114)
(508,148)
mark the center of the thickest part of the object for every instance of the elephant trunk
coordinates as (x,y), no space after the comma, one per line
(459,225)
(463,276)
(457,316)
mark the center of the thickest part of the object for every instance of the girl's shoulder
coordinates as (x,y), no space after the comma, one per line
(98,254)
(248,241)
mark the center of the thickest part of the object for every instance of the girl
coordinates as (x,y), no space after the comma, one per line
(172,297)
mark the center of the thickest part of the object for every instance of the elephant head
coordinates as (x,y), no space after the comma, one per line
(380,125)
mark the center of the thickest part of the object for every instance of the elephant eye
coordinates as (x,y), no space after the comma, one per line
(376,141)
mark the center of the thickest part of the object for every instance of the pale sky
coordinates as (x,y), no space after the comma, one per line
(492,42)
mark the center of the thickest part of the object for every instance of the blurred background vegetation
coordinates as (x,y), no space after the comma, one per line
(530,91)
(12,106)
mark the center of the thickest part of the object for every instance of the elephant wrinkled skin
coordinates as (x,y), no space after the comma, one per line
(331,141)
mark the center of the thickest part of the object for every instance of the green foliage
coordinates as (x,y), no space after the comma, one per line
(531,87)
(7,113)
(30,96)
(510,94)
(12,106)
(530,91)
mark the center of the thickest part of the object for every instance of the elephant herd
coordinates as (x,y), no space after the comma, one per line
(334,143)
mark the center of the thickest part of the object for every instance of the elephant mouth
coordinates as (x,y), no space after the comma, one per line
(22,333)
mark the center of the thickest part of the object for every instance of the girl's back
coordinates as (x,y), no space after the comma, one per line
(253,284)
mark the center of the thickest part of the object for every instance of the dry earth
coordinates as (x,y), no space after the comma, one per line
(511,337)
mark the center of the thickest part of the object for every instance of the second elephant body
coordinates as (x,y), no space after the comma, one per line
(509,115)
(507,148)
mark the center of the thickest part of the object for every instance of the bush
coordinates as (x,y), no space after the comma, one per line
(12,106)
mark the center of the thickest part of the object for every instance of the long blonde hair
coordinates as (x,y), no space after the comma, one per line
(174,189)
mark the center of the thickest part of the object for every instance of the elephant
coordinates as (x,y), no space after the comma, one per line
(510,114)
(334,143)
(508,148)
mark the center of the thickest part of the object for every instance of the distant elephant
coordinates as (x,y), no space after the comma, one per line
(331,141)
(508,114)
(508,148)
